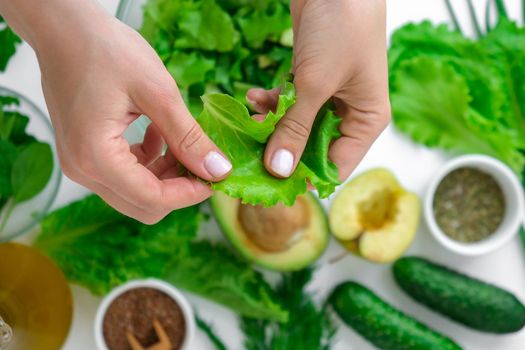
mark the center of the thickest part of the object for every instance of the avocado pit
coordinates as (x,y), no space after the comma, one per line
(274,229)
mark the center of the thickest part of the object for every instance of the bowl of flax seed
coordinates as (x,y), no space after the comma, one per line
(144,312)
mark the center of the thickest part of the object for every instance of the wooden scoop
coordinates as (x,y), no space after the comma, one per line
(163,344)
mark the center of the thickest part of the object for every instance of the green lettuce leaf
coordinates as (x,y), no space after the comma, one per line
(248,42)
(221,278)
(243,139)
(480,109)
(464,55)
(431,103)
(8,43)
(265,24)
(506,47)
(207,26)
(315,156)
(99,248)
(189,68)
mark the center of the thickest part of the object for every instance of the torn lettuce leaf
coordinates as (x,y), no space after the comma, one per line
(243,139)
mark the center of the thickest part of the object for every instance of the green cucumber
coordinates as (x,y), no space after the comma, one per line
(474,303)
(381,324)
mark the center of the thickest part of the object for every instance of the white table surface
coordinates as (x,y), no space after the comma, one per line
(414,165)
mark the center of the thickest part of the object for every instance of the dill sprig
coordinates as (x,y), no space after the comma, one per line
(309,327)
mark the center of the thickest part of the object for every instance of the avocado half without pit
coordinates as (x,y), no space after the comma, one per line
(278,238)
(374,217)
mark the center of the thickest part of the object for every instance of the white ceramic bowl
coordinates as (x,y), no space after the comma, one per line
(514,204)
(162,286)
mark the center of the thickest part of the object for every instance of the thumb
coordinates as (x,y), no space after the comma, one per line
(184,136)
(286,145)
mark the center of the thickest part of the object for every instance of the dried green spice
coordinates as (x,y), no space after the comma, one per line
(468,205)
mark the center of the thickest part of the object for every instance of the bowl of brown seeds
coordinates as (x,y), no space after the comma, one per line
(474,205)
(144,314)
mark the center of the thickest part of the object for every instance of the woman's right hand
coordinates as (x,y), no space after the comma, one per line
(339,54)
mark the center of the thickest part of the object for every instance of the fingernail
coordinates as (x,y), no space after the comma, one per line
(282,162)
(250,101)
(216,164)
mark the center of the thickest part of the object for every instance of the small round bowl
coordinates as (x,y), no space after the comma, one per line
(514,205)
(159,285)
(29,213)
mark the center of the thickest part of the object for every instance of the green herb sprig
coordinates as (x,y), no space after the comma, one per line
(309,327)
(210,332)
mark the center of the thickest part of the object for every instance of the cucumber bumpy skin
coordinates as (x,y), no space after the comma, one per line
(381,324)
(469,301)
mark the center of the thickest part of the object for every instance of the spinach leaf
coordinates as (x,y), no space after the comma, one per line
(31,171)
(13,127)
(9,101)
(25,164)
(8,42)
(8,153)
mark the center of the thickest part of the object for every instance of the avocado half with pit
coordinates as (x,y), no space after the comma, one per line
(279,238)
(374,217)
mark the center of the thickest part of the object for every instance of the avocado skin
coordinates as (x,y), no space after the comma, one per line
(294,262)
(382,325)
(474,303)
